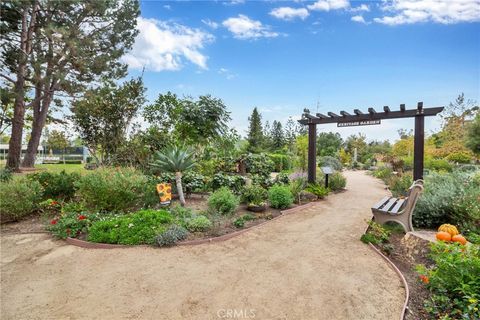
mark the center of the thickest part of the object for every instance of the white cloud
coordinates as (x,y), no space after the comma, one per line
(210,23)
(168,7)
(362,7)
(359,19)
(327,5)
(233,2)
(243,27)
(227,73)
(439,11)
(288,13)
(163,46)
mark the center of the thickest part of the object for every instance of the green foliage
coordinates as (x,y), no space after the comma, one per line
(240,221)
(113,189)
(280,161)
(233,182)
(282,178)
(181,213)
(56,185)
(438,165)
(296,187)
(255,195)
(337,181)
(193,182)
(5,175)
(222,201)
(328,144)
(71,224)
(328,161)
(19,198)
(172,235)
(399,185)
(449,198)
(383,173)
(255,132)
(174,159)
(263,181)
(280,197)
(318,190)
(453,281)
(473,134)
(376,234)
(459,157)
(140,227)
(259,164)
(198,224)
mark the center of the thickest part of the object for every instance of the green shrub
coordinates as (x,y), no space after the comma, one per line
(336,181)
(193,182)
(240,221)
(171,236)
(263,181)
(383,173)
(376,234)
(71,224)
(198,224)
(318,190)
(234,182)
(255,195)
(180,212)
(328,161)
(282,178)
(399,185)
(296,187)
(56,185)
(438,165)
(280,162)
(5,175)
(280,197)
(137,228)
(222,201)
(459,157)
(259,164)
(454,281)
(114,190)
(19,198)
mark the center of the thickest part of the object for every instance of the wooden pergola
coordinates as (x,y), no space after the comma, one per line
(373,117)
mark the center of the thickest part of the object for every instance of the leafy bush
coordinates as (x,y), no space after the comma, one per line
(240,221)
(233,182)
(296,187)
(5,175)
(172,235)
(336,181)
(459,157)
(198,223)
(56,185)
(19,198)
(114,190)
(71,224)
(282,178)
(280,197)
(383,173)
(318,190)
(399,185)
(438,165)
(137,228)
(376,234)
(259,164)
(180,212)
(264,181)
(280,162)
(255,195)
(328,161)
(193,182)
(454,281)
(222,201)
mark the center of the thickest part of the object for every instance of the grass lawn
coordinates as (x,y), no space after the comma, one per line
(58,167)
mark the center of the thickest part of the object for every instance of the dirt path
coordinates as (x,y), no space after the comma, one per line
(307,265)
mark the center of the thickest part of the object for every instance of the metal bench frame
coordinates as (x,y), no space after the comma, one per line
(398,210)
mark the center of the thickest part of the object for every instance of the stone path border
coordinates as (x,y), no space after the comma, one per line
(94,245)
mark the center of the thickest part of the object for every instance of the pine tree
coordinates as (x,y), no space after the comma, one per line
(255,132)
(291,132)
(278,138)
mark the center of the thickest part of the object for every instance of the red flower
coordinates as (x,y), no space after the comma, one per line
(54,221)
(424,279)
(68,231)
(54,203)
(82,217)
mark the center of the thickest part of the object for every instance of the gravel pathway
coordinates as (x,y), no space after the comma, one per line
(307,265)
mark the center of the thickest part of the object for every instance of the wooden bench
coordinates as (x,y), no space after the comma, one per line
(397,209)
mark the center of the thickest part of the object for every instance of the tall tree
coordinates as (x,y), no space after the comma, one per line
(291,132)
(73,45)
(103,116)
(473,134)
(278,137)
(328,143)
(58,140)
(255,132)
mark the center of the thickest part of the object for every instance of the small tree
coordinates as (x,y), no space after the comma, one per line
(473,135)
(255,134)
(58,140)
(177,160)
(278,137)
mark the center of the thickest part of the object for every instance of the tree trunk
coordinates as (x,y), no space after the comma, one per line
(178,180)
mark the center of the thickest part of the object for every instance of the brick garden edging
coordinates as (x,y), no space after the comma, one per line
(94,245)
(398,272)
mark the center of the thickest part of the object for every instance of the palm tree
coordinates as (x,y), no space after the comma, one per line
(177,160)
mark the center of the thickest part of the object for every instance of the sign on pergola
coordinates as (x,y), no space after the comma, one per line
(373,117)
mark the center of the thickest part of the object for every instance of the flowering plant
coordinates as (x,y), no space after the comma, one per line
(51,206)
(71,224)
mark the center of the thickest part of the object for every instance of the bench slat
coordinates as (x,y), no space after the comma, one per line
(397,207)
(380,203)
(389,204)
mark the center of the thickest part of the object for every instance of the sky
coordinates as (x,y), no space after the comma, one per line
(328,55)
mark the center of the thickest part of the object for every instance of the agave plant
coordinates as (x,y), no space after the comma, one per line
(177,160)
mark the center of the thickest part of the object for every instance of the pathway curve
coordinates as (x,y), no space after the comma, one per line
(307,265)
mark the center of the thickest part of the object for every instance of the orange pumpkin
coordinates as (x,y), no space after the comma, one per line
(449,228)
(460,239)
(443,236)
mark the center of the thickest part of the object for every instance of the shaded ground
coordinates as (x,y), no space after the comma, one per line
(307,265)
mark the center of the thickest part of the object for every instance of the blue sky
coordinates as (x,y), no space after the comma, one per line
(328,55)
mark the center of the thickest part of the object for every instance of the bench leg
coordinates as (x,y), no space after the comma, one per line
(402,220)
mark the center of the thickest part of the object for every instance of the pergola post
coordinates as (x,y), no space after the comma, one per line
(312,152)
(419,142)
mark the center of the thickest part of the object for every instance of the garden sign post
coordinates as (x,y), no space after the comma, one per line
(371,118)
